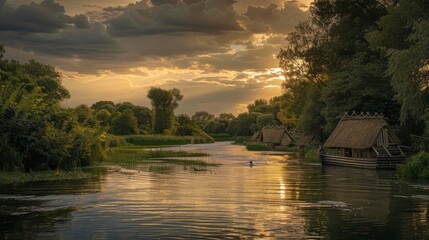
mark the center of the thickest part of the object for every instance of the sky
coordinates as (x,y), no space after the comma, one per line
(221,54)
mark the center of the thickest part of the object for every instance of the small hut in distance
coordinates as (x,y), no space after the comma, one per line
(364,141)
(274,136)
(308,139)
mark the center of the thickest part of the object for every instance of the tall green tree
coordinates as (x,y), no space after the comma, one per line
(331,51)
(403,36)
(164,102)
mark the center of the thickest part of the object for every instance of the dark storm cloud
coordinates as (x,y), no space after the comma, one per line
(46,17)
(91,43)
(274,19)
(166,17)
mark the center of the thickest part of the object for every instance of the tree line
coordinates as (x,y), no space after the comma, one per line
(363,56)
(38,134)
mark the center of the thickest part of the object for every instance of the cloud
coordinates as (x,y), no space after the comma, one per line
(219,53)
(46,17)
(167,17)
(275,19)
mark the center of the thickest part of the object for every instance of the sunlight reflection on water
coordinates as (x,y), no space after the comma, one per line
(281,196)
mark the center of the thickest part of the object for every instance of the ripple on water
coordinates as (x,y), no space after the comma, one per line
(279,198)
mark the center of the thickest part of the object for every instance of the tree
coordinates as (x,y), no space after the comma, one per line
(226,116)
(266,120)
(1,52)
(201,118)
(84,115)
(124,123)
(107,105)
(103,116)
(48,79)
(164,102)
(331,51)
(244,124)
(311,119)
(184,119)
(36,134)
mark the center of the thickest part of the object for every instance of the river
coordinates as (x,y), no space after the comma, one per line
(280,197)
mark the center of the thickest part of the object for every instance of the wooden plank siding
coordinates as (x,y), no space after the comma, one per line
(369,163)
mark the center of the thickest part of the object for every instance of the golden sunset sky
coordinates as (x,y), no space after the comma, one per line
(221,54)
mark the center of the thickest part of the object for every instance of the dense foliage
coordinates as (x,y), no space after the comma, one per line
(164,102)
(36,133)
(416,167)
(363,56)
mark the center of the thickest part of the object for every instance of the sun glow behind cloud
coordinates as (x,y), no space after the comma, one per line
(220,54)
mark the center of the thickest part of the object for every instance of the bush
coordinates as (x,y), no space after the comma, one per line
(155,140)
(220,137)
(242,139)
(114,141)
(416,167)
(258,147)
(10,159)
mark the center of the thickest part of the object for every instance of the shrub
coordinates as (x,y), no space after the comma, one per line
(242,139)
(258,147)
(416,167)
(151,140)
(219,137)
(114,141)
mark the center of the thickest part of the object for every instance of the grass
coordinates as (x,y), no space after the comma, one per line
(416,167)
(222,137)
(258,147)
(293,149)
(157,160)
(242,139)
(21,177)
(311,155)
(160,140)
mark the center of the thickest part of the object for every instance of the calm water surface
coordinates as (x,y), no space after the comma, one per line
(280,197)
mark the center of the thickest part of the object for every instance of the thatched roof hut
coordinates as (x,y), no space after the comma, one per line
(364,141)
(308,139)
(257,137)
(273,135)
(362,132)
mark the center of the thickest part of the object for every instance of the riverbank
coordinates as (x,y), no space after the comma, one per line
(129,157)
(51,175)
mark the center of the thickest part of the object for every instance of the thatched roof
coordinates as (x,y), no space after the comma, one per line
(275,135)
(307,139)
(257,137)
(359,132)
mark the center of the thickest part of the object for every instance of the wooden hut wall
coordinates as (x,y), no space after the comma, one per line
(383,137)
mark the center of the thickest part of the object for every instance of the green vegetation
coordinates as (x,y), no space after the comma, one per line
(258,147)
(49,175)
(36,133)
(222,137)
(416,166)
(383,69)
(242,139)
(160,140)
(311,155)
(293,149)
(133,158)
(163,103)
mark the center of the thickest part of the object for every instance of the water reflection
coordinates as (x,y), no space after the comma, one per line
(279,197)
